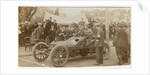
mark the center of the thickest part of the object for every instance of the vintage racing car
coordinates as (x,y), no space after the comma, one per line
(60,51)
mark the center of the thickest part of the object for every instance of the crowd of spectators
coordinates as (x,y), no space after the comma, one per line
(49,30)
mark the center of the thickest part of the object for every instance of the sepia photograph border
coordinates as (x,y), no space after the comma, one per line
(93,67)
(129,66)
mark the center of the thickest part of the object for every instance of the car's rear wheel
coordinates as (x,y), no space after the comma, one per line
(40,51)
(106,52)
(59,56)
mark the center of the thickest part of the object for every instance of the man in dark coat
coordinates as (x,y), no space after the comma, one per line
(99,43)
(53,32)
(129,39)
(121,44)
(47,30)
(55,25)
(48,25)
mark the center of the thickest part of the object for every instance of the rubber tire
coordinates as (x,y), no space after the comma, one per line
(34,55)
(106,57)
(52,52)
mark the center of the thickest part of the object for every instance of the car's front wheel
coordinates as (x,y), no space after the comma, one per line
(59,56)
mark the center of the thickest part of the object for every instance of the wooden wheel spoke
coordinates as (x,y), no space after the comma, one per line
(41,56)
(58,60)
(64,53)
(61,60)
(55,60)
(61,51)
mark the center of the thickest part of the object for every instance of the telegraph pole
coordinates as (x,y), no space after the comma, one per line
(107,30)
(107,25)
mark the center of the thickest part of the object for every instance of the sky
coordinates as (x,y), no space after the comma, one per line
(76,11)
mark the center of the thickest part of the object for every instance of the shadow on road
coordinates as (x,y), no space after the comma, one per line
(80,58)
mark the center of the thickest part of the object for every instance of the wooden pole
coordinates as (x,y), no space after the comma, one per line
(107,25)
(107,30)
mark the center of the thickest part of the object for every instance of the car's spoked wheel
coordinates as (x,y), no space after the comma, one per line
(40,52)
(59,56)
(106,52)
